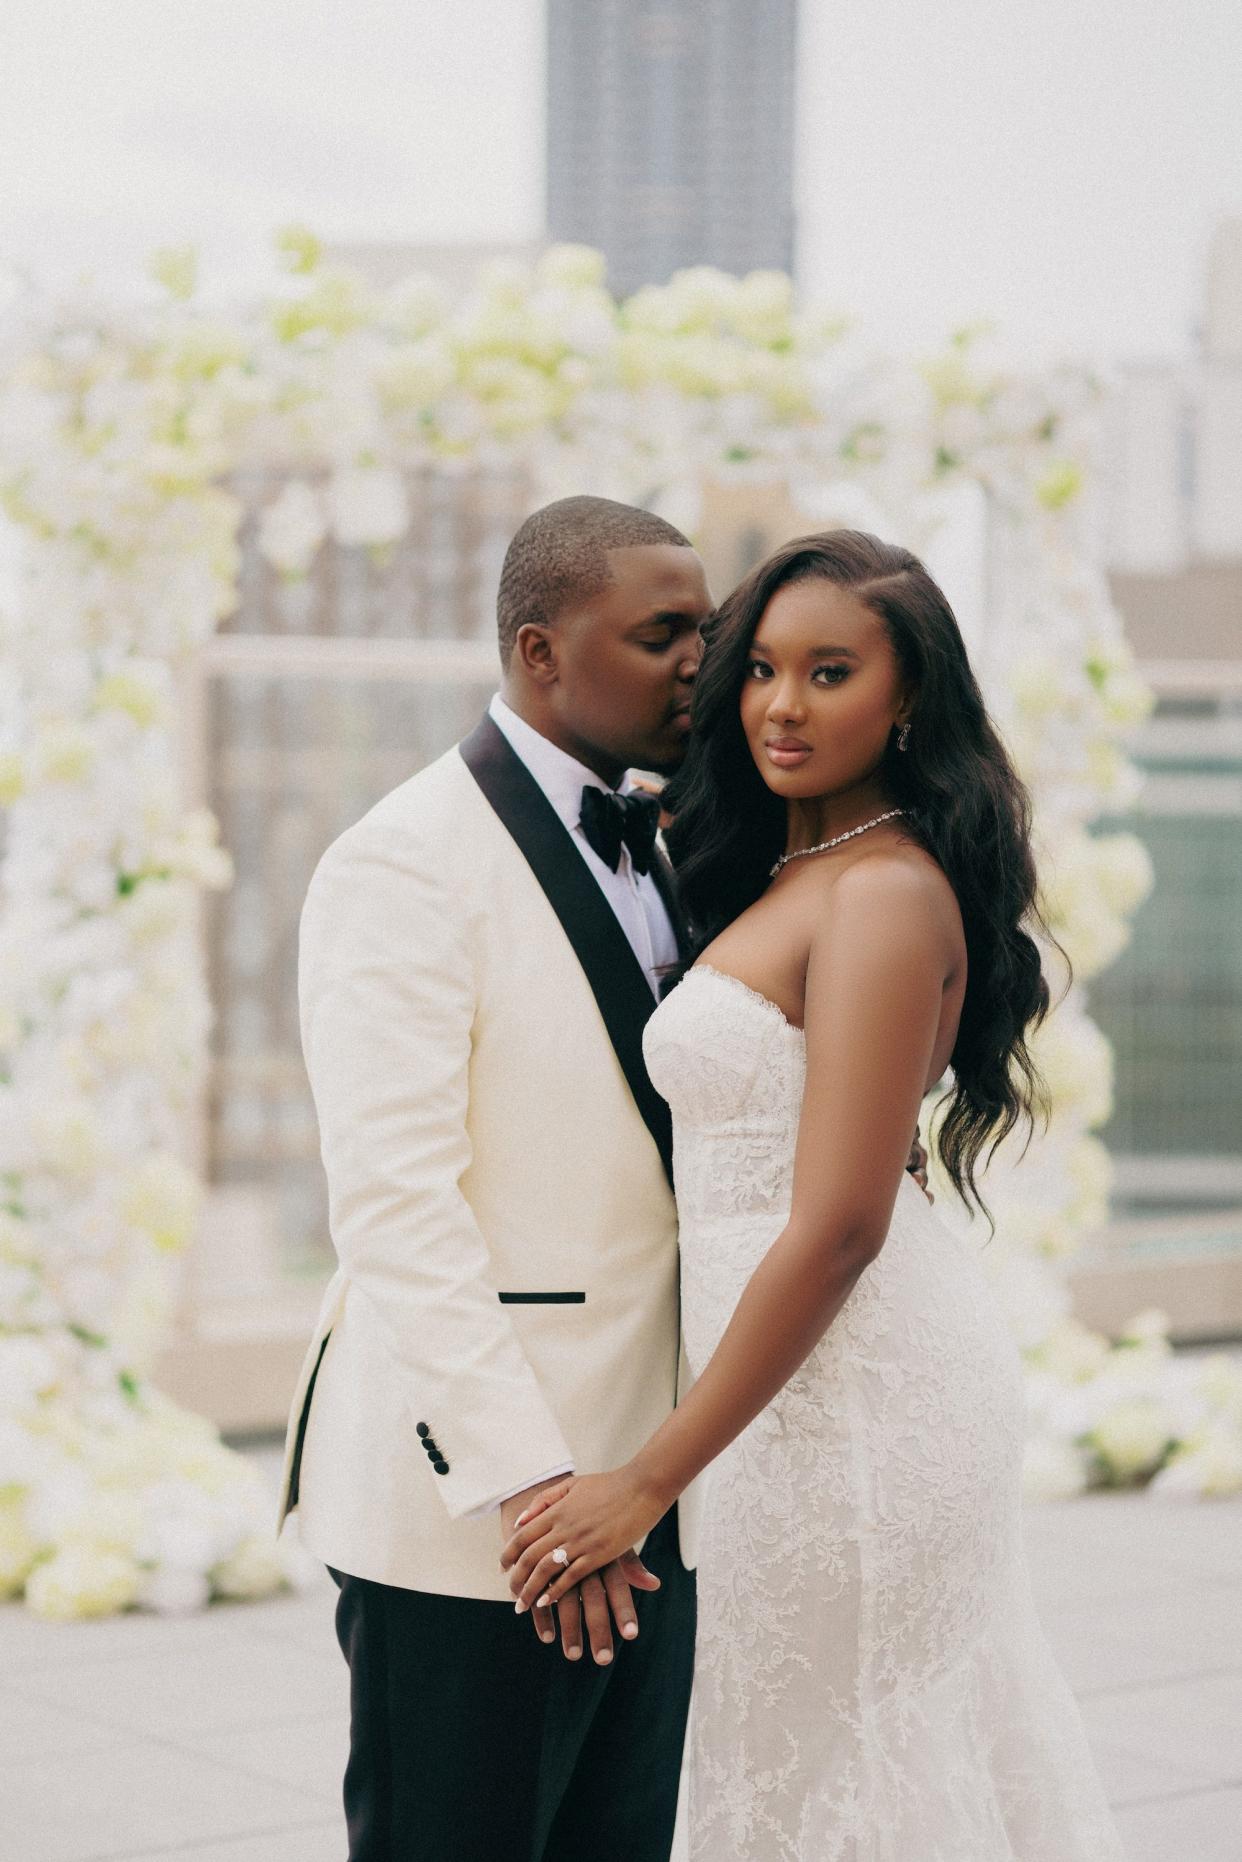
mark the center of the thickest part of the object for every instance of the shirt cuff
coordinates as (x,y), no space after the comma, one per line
(493,1505)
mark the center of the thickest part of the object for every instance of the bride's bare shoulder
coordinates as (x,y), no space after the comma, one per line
(890,887)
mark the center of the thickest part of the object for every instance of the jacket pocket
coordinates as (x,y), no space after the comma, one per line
(541,1299)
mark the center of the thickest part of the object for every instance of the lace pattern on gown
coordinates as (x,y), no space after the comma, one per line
(872,1683)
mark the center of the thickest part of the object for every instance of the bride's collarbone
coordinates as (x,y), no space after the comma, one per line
(768,947)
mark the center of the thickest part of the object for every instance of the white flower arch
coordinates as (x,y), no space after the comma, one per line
(118,428)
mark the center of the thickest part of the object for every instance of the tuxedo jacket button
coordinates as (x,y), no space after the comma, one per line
(421,1429)
(441,1467)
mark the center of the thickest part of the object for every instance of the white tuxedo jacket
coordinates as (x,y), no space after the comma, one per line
(498,1170)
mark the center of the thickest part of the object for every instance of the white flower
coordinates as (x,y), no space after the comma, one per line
(172,1590)
(1072,1353)
(1077,1065)
(1124,870)
(140,691)
(82,1581)
(18,1547)
(1052,1470)
(292,527)
(417,374)
(1209,1465)
(29,1369)
(255,1569)
(1132,1439)
(1147,1326)
(368,506)
(67,1135)
(571,266)
(161,1197)
(64,752)
(184,1527)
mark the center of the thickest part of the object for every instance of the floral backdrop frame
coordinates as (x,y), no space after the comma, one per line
(119,428)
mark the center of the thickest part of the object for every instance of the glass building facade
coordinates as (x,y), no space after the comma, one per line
(670,133)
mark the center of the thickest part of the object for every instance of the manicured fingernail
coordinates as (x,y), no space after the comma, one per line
(547,1635)
(603,1657)
(573,1652)
(629,1631)
(541,1603)
(519,1608)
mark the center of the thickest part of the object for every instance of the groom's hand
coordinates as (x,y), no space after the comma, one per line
(606,1596)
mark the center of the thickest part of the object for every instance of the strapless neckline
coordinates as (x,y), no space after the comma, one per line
(756,995)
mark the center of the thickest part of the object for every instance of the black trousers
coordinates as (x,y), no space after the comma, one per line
(472,1741)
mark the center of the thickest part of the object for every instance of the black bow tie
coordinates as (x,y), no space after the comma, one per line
(609,821)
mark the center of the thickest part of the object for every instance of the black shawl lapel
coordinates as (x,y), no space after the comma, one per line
(666,885)
(616,977)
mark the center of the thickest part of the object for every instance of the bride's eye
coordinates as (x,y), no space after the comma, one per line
(834,674)
(758,669)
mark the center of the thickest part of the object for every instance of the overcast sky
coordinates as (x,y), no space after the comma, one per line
(1055,165)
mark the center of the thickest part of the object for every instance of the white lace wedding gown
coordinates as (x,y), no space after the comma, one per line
(871,1683)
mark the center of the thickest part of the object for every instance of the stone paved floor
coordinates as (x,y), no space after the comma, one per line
(222,1738)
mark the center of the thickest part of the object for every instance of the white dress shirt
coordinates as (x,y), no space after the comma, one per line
(634,897)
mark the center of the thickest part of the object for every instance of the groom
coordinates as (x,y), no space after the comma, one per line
(478,957)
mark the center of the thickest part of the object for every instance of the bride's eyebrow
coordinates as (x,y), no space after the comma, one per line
(757,646)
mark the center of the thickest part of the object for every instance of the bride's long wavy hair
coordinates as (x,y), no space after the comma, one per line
(963,800)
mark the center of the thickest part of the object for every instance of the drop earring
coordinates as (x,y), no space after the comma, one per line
(903,736)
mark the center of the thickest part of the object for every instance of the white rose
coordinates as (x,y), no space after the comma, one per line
(572,267)
(418,373)
(1212,1465)
(1220,1380)
(65,753)
(1124,870)
(184,1527)
(1147,1326)
(255,1569)
(12,777)
(1132,1439)
(172,1590)
(1127,700)
(702,294)
(368,506)
(1072,1353)
(82,1581)
(292,527)
(1052,1470)
(1076,1062)
(29,1370)
(141,693)
(1037,685)
(161,1197)
(18,1548)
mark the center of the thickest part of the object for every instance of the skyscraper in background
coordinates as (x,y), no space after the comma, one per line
(670,133)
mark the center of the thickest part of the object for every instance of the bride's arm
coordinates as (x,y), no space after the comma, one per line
(873,997)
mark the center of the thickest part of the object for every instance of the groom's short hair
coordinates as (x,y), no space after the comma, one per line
(560,555)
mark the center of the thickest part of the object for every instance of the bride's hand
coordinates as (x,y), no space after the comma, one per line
(596,1517)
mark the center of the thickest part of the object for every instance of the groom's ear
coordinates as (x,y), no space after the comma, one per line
(534,649)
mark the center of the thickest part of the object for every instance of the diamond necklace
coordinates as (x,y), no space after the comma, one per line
(824,845)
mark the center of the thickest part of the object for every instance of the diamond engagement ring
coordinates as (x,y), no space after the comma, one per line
(560,1556)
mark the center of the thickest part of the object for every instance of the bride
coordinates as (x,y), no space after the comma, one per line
(872,1683)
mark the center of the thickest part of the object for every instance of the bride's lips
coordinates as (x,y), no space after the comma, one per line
(786,752)
(680,719)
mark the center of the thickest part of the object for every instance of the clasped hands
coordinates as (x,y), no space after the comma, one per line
(598,1517)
